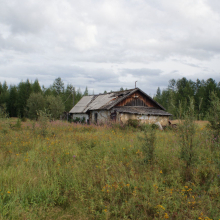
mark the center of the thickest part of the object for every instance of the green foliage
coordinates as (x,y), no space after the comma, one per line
(187,131)
(43,119)
(133,123)
(35,103)
(68,97)
(149,144)
(12,104)
(58,85)
(78,95)
(86,92)
(3,111)
(4,95)
(55,106)
(92,172)
(36,87)
(24,91)
(23,119)
(18,124)
(214,115)
(179,91)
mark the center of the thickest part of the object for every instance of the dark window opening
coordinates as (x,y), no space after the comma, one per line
(96,117)
(113,116)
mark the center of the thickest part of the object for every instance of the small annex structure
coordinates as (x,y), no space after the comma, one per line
(120,107)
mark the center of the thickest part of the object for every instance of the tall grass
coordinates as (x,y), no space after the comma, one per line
(98,172)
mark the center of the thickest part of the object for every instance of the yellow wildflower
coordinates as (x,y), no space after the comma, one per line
(166,215)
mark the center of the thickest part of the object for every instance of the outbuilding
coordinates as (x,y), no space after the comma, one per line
(120,107)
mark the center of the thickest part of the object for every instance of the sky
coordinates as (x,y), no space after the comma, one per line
(109,44)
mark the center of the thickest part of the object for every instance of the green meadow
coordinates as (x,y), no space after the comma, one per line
(61,170)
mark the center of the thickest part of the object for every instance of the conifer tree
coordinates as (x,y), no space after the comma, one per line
(58,85)
(86,92)
(12,104)
(24,91)
(36,87)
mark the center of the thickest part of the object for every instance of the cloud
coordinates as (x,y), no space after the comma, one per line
(142,72)
(109,44)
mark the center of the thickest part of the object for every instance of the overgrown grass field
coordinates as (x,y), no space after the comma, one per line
(75,171)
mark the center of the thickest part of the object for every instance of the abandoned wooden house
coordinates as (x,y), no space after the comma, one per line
(120,107)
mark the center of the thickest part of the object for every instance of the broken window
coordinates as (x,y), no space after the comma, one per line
(113,116)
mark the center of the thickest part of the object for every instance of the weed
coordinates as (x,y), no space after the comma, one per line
(187,130)
(133,123)
(148,146)
(43,118)
(93,172)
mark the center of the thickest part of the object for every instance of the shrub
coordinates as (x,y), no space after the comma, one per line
(214,115)
(55,106)
(148,146)
(43,118)
(35,103)
(23,119)
(187,130)
(18,124)
(3,112)
(133,123)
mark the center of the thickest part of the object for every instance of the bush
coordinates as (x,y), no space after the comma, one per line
(149,141)
(23,119)
(133,123)
(35,103)
(3,112)
(79,120)
(55,106)
(187,131)
(43,118)
(214,115)
(18,124)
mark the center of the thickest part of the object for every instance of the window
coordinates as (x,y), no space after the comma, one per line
(96,117)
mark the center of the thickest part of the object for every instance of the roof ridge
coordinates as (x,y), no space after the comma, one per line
(115,92)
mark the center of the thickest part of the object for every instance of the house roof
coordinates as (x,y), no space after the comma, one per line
(105,101)
(141,110)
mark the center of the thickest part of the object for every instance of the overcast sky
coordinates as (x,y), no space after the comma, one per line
(108,44)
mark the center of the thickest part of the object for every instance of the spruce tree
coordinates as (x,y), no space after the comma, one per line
(36,87)
(12,104)
(58,85)
(24,91)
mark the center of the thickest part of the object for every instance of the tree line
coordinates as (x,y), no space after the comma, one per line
(176,97)
(24,99)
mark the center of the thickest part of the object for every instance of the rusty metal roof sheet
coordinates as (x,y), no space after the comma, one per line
(141,110)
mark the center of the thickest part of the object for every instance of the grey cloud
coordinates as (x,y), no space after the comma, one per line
(142,72)
(75,39)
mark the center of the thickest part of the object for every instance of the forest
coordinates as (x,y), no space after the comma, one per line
(176,97)
(25,99)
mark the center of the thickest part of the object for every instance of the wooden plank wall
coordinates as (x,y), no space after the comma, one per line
(137,99)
